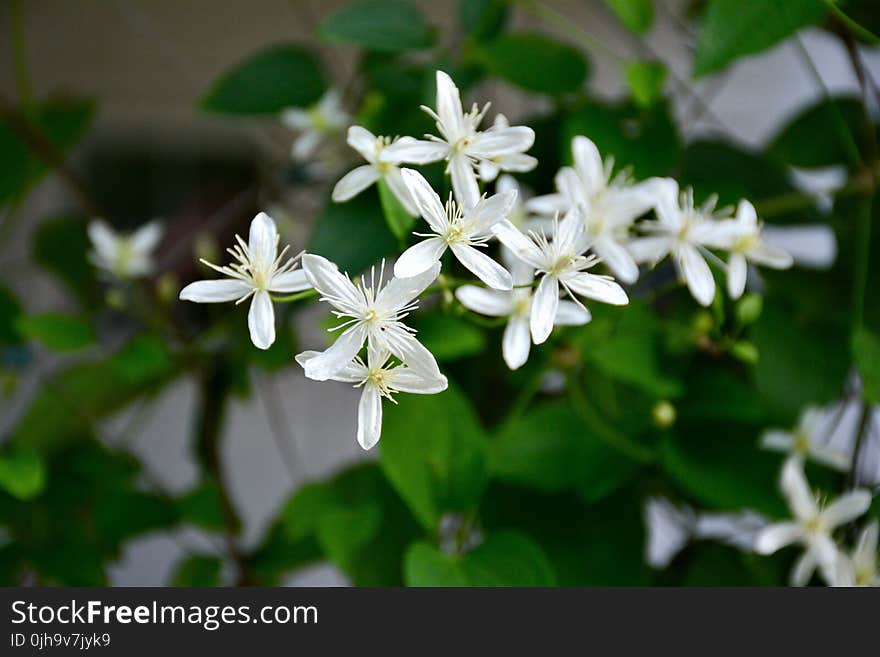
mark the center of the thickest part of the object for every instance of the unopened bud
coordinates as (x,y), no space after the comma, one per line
(663,414)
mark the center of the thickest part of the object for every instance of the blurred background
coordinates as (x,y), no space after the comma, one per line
(150,152)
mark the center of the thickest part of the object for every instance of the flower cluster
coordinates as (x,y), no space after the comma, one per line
(545,273)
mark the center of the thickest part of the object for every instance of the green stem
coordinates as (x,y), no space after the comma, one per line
(305,294)
(854,27)
(19,52)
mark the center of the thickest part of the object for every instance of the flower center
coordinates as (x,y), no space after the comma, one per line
(522,305)
(382,380)
(124,254)
(455,234)
(562,264)
(815,525)
(745,243)
(801,442)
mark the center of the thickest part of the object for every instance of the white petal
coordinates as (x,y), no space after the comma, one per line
(426,200)
(410,351)
(414,151)
(629,204)
(496,142)
(588,163)
(464,181)
(488,170)
(865,551)
(489,211)
(369,417)
(571,314)
(332,360)
(399,292)
(665,193)
(420,257)
(618,259)
(519,162)
(263,240)
(296,118)
(409,380)
(145,238)
(398,187)
(104,239)
(846,507)
(649,249)
(830,456)
(770,256)
(486,302)
(797,491)
(363,141)
(600,288)
(261,320)
(776,440)
(545,303)
(809,246)
(326,278)
(483,267)
(746,215)
(548,204)
(520,245)
(737,271)
(215,291)
(352,372)
(776,536)
(291,281)
(449,105)
(804,568)
(696,273)
(354,182)
(516,343)
(305,145)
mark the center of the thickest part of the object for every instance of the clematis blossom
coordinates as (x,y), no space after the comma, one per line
(464,232)
(257,271)
(379,377)
(371,312)
(807,440)
(315,124)
(463,146)
(124,256)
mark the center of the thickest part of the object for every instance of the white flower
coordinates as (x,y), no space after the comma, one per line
(259,269)
(741,236)
(812,525)
(807,440)
(561,261)
(611,205)
(325,119)
(668,529)
(516,305)
(459,231)
(860,567)
(372,312)
(681,230)
(378,378)
(519,214)
(124,256)
(357,180)
(463,146)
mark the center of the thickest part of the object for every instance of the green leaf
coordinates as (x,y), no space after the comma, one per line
(637,15)
(198,571)
(645,140)
(354,235)
(384,25)
(10,311)
(534,62)
(645,80)
(731,29)
(57,331)
(22,473)
(482,19)
(551,449)
(813,139)
(433,451)
(503,559)
(449,337)
(202,507)
(282,76)
(866,350)
(399,221)
(722,466)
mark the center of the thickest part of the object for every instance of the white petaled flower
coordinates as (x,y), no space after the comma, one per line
(357,180)
(741,236)
(326,118)
(124,256)
(668,529)
(379,377)
(462,231)
(611,205)
(520,215)
(560,260)
(463,146)
(258,270)
(683,231)
(806,440)
(860,567)
(516,305)
(372,312)
(812,526)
